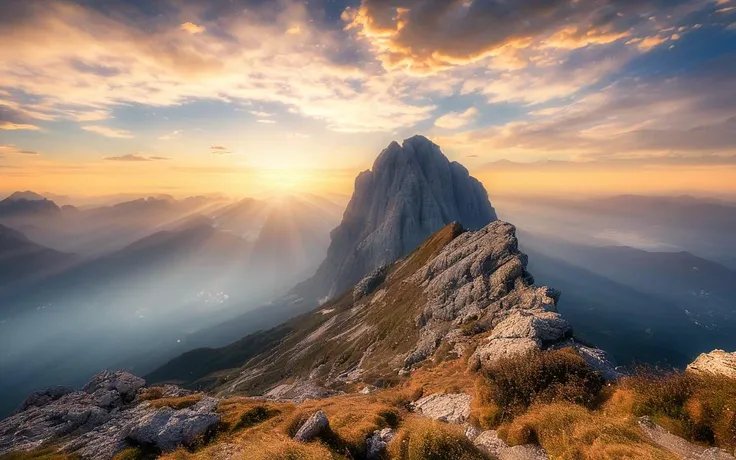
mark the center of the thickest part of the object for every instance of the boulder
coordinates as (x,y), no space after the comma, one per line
(168,428)
(491,444)
(315,426)
(450,408)
(98,422)
(125,383)
(376,443)
(717,362)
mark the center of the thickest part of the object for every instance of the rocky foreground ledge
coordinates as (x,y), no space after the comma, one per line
(109,414)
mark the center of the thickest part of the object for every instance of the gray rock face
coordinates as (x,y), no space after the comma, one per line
(491,444)
(680,447)
(168,428)
(97,422)
(313,427)
(412,191)
(450,408)
(480,279)
(717,362)
(124,383)
(376,443)
(43,397)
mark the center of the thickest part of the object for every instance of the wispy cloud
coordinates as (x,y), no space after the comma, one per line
(108,132)
(171,136)
(220,150)
(134,157)
(455,120)
(10,126)
(12,149)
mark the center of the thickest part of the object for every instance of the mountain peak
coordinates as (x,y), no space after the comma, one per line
(411,192)
(26,195)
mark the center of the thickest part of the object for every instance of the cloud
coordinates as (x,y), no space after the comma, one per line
(12,149)
(10,126)
(135,157)
(220,150)
(265,120)
(192,28)
(688,118)
(455,120)
(171,136)
(118,56)
(426,36)
(108,132)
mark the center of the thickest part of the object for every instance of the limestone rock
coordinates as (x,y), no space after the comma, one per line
(315,425)
(376,443)
(717,362)
(43,397)
(298,392)
(491,444)
(682,448)
(168,428)
(411,192)
(451,408)
(97,422)
(125,383)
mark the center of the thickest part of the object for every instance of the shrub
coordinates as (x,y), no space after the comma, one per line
(570,431)
(423,439)
(543,376)
(701,408)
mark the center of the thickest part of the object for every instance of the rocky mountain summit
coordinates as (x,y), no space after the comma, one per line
(411,192)
(106,416)
(468,292)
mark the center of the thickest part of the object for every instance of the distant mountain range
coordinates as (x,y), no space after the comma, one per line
(22,261)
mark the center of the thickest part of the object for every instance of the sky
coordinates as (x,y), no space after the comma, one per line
(245,97)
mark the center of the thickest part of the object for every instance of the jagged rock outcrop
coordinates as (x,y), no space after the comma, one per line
(717,362)
(101,419)
(315,425)
(411,192)
(469,291)
(450,408)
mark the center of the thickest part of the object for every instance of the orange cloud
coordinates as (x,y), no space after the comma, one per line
(192,28)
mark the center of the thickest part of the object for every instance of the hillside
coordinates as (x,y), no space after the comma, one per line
(450,353)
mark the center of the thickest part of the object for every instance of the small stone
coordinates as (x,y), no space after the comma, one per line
(717,362)
(450,408)
(315,425)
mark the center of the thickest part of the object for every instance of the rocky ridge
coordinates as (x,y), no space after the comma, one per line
(717,362)
(464,290)
(106,416)
(411,192)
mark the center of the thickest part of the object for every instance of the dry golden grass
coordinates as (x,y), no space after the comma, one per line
(569,431)
(423,439)
(700,408)
(177,403)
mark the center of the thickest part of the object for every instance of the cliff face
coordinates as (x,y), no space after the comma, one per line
(411,192)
